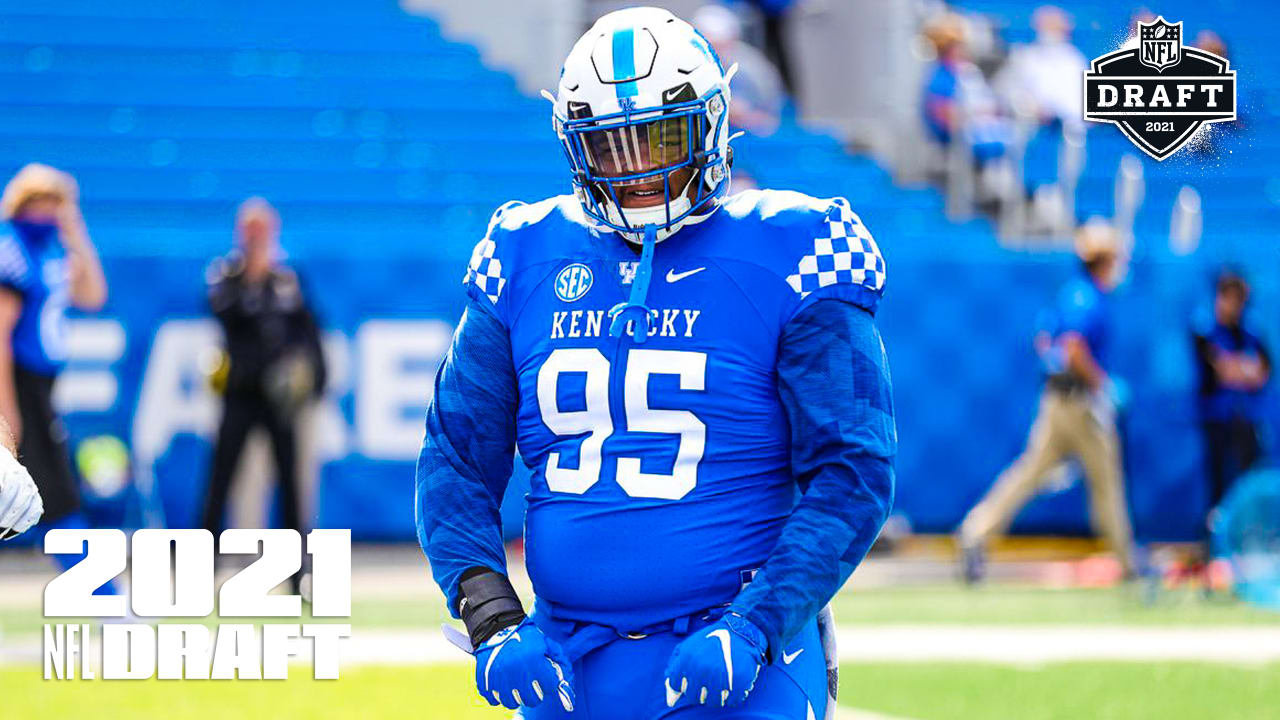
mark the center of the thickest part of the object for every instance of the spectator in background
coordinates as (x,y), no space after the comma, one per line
(757,87)
(1077,412)
(47,264)
(958,102)
(1210,41)
(1044,79)
(273,364)
(1234,370)
(776,46)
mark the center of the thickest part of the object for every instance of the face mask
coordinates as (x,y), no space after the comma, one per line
(35,233)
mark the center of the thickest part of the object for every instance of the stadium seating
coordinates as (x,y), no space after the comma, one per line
(355,121)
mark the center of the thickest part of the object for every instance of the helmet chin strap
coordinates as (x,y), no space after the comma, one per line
(657,214)
(635,310)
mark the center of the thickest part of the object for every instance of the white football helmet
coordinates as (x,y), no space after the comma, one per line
(642,97)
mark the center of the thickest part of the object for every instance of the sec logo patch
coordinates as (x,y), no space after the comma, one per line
(573,282)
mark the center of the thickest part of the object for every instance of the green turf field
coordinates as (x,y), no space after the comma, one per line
(917,691)
(1097,691)
(936,691)
(941,604)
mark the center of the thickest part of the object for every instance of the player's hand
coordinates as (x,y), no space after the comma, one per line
(522,666)
(716,665)
(20,503)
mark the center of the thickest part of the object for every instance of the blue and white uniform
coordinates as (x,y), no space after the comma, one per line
(739,459)
(33,265)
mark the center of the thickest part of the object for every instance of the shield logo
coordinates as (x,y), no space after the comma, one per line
(1160,43)
(1158,92)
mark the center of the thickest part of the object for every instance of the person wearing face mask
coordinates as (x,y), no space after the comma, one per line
(47,265)
(273,363)
(1077,415)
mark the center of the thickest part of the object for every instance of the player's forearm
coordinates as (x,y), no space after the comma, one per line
(7,439)
(833,379)
(458,525)
(88,283)
(9,413)
(824,540)
(468,451)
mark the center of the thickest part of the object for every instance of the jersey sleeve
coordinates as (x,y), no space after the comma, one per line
(15,269)
(839,259)
(468,451)
(833,378)
(489,270)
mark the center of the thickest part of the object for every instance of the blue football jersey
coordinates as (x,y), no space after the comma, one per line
(37,270)
(661,470)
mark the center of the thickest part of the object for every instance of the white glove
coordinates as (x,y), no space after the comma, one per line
(20,503)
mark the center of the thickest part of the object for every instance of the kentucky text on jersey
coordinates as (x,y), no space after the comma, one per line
(667,322)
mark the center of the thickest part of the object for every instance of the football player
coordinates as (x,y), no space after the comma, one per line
(20,502)
(698,384)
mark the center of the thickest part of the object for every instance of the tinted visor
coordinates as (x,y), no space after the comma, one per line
(636,149)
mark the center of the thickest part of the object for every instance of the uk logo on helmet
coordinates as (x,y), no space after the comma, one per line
(573,282)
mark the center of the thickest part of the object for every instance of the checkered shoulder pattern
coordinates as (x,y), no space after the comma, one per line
(14,269)
(843,252)
(485,270)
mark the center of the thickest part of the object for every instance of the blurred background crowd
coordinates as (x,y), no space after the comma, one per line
(283,197)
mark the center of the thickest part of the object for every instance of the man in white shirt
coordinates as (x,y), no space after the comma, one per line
(1044,78)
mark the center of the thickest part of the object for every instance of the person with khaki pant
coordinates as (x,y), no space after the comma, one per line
(1076,418)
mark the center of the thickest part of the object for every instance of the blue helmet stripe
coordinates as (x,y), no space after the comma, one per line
(624,62)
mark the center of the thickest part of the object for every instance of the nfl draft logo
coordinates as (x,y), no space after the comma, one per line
(1159,93)
(1160,44)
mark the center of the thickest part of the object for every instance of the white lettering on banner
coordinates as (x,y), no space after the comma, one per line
(397,363)
(87,383)
(174,398)
(172,576)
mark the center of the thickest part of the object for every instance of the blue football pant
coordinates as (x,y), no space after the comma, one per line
(624,681)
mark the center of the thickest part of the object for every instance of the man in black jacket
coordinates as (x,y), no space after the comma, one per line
(1234,370)
(273,363)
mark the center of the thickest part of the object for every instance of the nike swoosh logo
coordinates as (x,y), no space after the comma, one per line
(788,659)
(723,636)
(673,276)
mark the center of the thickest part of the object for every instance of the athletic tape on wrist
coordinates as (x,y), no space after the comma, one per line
(487,604)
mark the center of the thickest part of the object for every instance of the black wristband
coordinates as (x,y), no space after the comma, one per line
(487,603)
